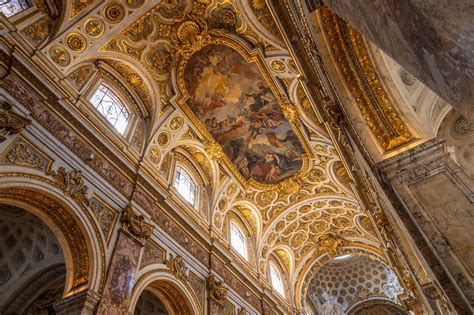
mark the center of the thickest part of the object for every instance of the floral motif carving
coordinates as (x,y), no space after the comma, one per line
(10,122)
(21,155)
(136,225)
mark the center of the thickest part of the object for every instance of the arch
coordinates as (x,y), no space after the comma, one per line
(133,65)
(234,217)
(376,306)
(177,296)
(312,262)
(79,237)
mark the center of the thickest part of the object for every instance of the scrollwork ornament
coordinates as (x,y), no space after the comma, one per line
(177,267)
(10,122)
(136,225)
(217,291)
(72,184)
(20,154)
(214,150)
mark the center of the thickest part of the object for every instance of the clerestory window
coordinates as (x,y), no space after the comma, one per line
(276,279)
(12,7)
(237,240)
(185,186)
(109,105)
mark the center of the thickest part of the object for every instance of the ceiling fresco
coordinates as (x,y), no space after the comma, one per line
(237,107)
(226,99)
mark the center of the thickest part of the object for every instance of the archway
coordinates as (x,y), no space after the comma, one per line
(377,307)
(162,288)
(76,244)
(32,264)
(348,280)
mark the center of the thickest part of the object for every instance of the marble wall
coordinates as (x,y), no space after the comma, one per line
(429,38)
(439,197)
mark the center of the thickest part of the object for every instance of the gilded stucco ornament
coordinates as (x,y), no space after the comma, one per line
(10,122)
(214,150)
(71,183)
(22,155)
(329,244)
(76,42)
(136,225)
(278,66)
(59,55)
(176,123)
(177,267)
(94,27)
(374,103)
(216,289)
(155,155)
(114,12)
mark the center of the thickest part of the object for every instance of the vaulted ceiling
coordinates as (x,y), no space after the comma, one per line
(216,83)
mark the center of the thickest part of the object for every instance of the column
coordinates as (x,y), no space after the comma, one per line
(124,264)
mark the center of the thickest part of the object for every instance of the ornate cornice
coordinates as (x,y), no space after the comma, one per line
(379,113)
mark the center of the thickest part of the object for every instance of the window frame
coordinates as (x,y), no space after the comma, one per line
(245,254)
(29,5)
(273,267)
(191,179)
(119,99)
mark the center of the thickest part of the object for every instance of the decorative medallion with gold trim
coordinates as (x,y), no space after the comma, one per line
(76,42)
(94,27)
(114,12)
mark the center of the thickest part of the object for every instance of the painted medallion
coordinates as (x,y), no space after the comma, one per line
(236,105)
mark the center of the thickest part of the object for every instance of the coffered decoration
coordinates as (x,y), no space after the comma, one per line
(234,175)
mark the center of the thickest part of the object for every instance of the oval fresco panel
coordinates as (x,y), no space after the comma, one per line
(237,107)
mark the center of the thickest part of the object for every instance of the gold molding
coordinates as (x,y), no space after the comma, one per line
(379,113)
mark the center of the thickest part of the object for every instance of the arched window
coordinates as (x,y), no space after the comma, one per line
(12,7)
(185,186)
(110,106)
(277,282)
(237,240)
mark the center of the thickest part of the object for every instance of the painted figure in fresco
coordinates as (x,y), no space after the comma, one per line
(239,110)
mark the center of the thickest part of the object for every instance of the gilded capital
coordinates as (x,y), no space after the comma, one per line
(217,291)
(136,225)
(10,122)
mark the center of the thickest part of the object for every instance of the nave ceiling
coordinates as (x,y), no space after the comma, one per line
(215,86)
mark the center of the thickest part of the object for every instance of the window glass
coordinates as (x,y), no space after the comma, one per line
(12,7)
(277,283)
(185,186)
(109,106)
(237,240)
